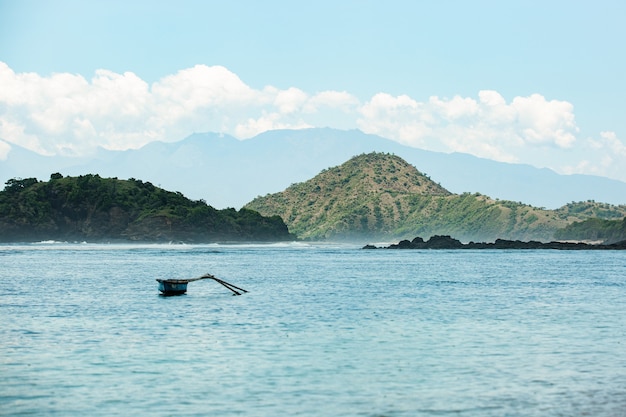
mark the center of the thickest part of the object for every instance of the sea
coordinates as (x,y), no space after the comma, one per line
(323,330)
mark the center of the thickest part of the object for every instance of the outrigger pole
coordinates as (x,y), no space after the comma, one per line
(224,283)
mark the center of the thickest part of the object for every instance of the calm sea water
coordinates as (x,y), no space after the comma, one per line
(324,331)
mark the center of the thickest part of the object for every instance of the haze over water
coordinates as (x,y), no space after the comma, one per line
(325,330)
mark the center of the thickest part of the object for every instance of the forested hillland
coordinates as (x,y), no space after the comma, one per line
(95,209)
(594,229)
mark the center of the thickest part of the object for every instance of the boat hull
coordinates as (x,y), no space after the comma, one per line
(172,288)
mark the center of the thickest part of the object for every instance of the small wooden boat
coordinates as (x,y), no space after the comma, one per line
(169,287)
(173,286)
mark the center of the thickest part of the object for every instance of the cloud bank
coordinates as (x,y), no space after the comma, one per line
(70,115)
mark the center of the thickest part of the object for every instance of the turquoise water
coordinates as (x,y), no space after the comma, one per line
(324,331)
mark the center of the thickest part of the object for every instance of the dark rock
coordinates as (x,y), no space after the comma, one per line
(447,242)
(443,242)
(403,244)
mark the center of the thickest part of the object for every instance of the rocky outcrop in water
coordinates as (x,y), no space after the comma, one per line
(447,242)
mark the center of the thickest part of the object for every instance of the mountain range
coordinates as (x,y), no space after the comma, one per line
(227,172)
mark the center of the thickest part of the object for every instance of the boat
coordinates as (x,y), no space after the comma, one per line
(173,286)
(169,287)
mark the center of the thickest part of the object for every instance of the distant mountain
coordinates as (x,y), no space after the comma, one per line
(227,172)
(107,209)
(381,196)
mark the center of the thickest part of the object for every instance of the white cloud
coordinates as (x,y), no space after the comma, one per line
(487,127)
(545,122)
(604,156)
(202,86)
(612,144)
(290,100)
(456,108)
(494,110)
(14,132)
(400,118)
(337,100)
(68,114)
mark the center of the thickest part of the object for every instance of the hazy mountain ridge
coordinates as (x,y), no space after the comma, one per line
(381,196)
(228,172)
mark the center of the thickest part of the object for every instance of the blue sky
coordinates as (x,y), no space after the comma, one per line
(538,82)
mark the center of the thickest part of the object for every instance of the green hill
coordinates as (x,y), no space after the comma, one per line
(595,229)
(97,209)
(380,196)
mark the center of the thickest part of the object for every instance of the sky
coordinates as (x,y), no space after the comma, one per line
(533,82)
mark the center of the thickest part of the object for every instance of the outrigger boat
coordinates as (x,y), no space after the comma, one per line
(169,287)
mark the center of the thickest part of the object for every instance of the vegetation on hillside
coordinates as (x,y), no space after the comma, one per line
(590,208)
(89,207)
(380,196)
(594,229)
